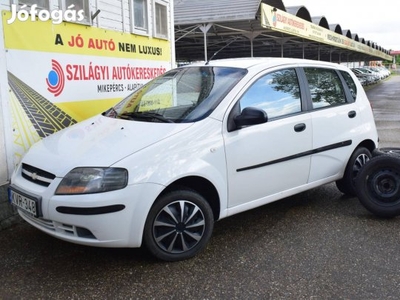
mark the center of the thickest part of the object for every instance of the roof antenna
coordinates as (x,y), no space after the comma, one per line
(232,40)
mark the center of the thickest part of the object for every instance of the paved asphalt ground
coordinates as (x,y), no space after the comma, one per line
(316,245)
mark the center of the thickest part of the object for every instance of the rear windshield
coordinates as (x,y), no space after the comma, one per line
(181,95)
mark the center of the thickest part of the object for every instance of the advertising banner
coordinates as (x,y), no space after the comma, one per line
(290,24)
(60,74)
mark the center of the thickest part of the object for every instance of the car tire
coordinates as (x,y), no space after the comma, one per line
(386,151)
(357,160)
(378,186)
(178,226)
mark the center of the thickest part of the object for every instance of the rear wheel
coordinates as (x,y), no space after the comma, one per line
(178,226)
(357,160)
(378,186)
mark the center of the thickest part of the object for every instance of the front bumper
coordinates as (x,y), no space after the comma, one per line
(111,219)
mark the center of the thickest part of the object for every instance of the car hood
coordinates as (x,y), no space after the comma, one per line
(97,142)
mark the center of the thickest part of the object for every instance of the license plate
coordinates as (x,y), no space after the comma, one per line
(27,203)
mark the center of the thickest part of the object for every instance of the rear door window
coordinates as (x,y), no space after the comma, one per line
(325,87)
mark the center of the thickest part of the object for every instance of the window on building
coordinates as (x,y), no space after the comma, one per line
(40,3)
(140,16)
(77,6)
(161,20)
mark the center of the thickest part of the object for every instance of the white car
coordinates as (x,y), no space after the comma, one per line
(193,146)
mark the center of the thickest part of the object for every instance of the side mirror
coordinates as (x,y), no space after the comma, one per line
(250,116)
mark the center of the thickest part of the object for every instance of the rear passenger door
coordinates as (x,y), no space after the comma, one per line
(335,118)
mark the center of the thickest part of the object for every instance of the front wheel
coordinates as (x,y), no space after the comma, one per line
(378,186)
(178,226)
(357,160)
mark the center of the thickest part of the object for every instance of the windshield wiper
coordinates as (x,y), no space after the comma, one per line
(145,116)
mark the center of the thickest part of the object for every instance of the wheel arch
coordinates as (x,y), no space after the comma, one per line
(369,144)
(200,185)
(355,162)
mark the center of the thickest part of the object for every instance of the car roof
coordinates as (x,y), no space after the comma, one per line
(250,62)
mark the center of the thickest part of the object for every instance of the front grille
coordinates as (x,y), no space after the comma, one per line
(36,175)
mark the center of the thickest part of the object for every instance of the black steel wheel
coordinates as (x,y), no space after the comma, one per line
(178,226)
(378,186)
(357,160)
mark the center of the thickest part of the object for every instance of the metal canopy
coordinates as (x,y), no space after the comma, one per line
(225,29)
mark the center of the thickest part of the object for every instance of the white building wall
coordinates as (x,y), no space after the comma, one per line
(111,15)
(114,14)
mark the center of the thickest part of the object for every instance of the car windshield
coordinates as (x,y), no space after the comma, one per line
(181,95)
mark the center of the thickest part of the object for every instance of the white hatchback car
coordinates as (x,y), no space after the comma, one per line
(193,146)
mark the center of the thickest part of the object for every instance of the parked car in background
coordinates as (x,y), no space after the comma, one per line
(365,79)
(193,146)
(380,71)
(370,77)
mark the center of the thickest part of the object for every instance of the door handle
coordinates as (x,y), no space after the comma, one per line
(352,114)
(299,127)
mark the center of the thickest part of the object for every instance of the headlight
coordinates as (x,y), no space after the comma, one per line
(92,180)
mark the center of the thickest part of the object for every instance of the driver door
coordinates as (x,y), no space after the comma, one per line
(267,159)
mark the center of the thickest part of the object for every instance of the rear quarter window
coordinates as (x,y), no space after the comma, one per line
(350,83)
